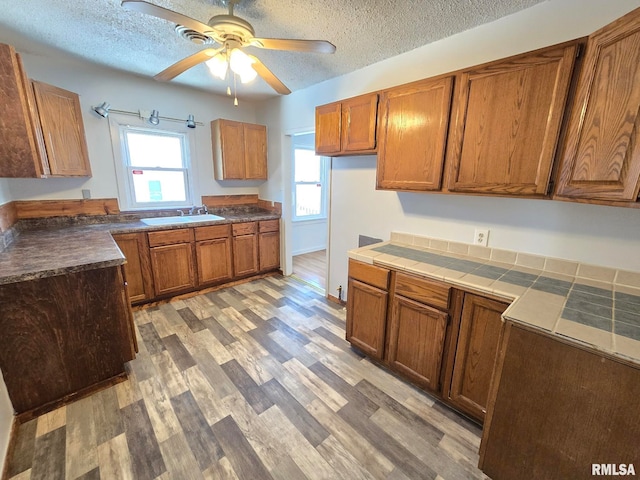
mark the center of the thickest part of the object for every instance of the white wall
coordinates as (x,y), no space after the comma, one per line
(308,236)
(4,191)
(130,93)
(600,235)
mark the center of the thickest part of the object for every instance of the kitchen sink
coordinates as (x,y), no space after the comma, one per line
(176,220)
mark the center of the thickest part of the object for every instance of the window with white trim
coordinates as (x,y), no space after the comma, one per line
(154,168)
(309,185)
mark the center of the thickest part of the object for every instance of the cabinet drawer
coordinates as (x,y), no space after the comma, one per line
(212,232)
(269,226)
(430,292)
(376,276)
(169,237)
(244,228)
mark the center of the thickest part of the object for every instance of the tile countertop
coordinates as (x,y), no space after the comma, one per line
(596,306)
(48,247)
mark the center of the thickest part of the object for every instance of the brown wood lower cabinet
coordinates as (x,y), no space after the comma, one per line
(214,260)
(554,411)
(416,341)
(367,318)
(442,339)
(63,334)
(269,244)
(213,254)
(475,354)
(172,268)
(135,248)
(245,249)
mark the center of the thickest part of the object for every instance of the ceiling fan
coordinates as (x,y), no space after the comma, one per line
(232,33)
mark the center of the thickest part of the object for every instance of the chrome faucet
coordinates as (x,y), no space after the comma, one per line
(199,210)
(181,212)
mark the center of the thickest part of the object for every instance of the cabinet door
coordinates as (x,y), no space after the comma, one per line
(359,120)
(138,267)
(412,135)
(506,123)
(476,351)
(416,341)
(172,268)
(601,158)
(366,318)
(255,151)
(231,149)
(245,255)
(18,147)
(214,260)
(63,130)
(328,127)
(269,250)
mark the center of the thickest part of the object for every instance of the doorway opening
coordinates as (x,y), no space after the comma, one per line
(309,191)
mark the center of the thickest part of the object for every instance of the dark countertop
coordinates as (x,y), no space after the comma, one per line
(50,247)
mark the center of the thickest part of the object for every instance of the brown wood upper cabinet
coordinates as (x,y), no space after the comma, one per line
(239,150)
(43,134)
(412,135)
(601,156)
(505,123)
(367,307)
(347,127)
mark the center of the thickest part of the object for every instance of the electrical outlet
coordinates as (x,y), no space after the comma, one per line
(86,193)
(481,237)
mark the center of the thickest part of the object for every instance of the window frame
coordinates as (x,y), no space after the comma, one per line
(124,169)
(323,182)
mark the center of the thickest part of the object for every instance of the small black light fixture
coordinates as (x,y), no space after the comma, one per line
(102,109)
(154,119)
(191,122)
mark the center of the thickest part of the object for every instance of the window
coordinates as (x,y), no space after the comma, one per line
(309,189)
(154,168)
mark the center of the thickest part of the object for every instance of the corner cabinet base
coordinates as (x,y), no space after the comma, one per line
(63,334)
(556,409)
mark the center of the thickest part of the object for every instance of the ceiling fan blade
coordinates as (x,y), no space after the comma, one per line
(268,76)
(166,14)
(186,63)
(313,46)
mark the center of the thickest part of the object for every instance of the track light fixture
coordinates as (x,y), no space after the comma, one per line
(102,109)
(154,119)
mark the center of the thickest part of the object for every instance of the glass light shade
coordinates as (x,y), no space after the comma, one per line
(241,63)
(218,66)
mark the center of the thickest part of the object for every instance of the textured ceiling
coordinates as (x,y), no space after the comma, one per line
(363,31)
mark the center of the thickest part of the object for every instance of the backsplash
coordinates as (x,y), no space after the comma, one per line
(527,260)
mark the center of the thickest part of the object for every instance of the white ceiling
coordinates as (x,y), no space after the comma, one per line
(363,31)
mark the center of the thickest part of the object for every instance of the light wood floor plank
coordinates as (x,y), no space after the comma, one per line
(114,460)
(251,381)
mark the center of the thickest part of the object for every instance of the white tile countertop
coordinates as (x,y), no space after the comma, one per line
(592,305)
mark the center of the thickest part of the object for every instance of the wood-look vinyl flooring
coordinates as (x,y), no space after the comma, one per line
(250,382)
(311,268)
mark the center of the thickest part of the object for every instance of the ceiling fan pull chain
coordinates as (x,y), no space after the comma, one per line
(235,89)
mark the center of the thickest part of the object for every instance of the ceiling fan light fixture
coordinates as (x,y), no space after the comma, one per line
(241,64)
(218,66)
